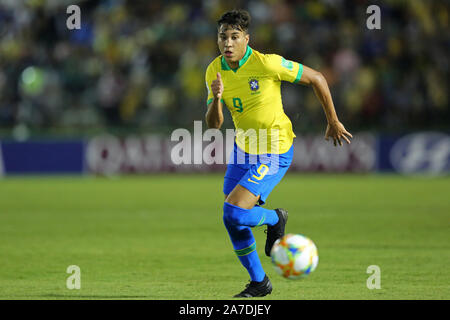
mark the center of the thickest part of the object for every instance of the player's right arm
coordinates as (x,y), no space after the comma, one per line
(214,115)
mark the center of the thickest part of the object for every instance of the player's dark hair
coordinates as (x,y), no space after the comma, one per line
(238,19)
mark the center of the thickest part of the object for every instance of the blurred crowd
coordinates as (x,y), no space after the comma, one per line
(140,65)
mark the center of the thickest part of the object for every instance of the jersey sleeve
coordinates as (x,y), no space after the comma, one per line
(282,69)
(209,77)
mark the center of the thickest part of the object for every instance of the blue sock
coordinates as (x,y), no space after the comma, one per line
(254,217)
(238,222)
(245,248)
(253,265)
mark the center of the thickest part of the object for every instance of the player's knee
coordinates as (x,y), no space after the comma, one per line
(232,214)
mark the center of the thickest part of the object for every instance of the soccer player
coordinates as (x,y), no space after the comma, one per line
(248,83)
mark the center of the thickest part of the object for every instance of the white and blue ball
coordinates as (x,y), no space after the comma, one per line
(294,256)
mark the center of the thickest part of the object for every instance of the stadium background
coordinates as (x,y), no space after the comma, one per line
(105,99)
(137,68)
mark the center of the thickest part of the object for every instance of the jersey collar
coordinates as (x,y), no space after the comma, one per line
(244,59)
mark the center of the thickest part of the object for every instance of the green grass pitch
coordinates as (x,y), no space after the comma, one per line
(162,237)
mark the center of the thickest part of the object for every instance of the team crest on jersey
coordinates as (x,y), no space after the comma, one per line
(254,84)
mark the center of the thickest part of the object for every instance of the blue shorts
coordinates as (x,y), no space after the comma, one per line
(257,173)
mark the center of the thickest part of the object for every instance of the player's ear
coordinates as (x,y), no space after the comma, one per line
(247,38)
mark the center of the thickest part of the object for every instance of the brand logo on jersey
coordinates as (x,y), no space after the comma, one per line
(254,84)
(287,63)
(208,88)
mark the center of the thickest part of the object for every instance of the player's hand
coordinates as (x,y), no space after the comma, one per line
(217,86)
(337,131)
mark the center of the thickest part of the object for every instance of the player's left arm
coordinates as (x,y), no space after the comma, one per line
(335,129)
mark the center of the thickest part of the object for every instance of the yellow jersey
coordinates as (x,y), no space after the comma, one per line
(252,94)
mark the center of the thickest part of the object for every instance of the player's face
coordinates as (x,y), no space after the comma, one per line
(232,44)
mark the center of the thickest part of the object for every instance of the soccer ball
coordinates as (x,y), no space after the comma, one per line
(294,256)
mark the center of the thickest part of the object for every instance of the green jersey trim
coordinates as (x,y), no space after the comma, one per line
(211,100)
(299,73)
(244,59)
